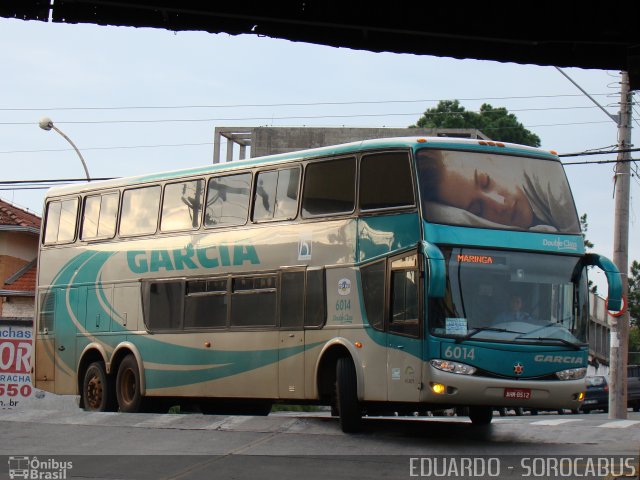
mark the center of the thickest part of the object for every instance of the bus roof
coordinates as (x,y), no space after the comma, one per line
(341,149)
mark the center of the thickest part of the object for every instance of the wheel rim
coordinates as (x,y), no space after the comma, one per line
(94,392)
(128,386)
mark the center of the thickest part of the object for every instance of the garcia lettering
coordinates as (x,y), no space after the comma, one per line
(190,258)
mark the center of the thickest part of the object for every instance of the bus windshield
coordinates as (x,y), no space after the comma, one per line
(495,191)
(511,297)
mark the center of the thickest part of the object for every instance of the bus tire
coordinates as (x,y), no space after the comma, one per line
(97,389)
(480,415)
(128,386)
(347,397)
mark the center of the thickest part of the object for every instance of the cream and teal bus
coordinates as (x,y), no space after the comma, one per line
(391,275)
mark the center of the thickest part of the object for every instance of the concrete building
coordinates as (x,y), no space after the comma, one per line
(599,333)
(273,140)
(19,236)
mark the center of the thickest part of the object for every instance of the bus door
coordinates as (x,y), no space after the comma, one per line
(403,330)
(67,314)
(291,341)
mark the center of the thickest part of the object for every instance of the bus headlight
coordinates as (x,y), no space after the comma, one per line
(453,367)
(572,374)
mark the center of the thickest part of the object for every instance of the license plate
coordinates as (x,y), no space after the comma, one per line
(517,393)
(589,402)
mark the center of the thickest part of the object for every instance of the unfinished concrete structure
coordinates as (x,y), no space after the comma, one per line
(273,140)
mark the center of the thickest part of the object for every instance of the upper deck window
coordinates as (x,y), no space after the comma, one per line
(276,195)
(100,215)
(495,191)
(228,200)
(140,208)
(385,181)
(61,221)
(329,187)
(182,206)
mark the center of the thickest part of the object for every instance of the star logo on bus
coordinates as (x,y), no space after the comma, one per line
(518,368)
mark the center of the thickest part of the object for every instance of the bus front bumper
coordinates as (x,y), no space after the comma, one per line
(455,389)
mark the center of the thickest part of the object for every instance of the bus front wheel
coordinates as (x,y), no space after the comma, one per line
(480,415)
(128,386)
(97,389)
(347,396)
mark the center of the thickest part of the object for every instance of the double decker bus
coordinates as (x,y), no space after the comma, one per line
(391,275)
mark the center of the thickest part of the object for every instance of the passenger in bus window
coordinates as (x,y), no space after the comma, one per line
(497,191)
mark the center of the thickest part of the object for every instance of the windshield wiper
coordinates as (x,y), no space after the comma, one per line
(575,346)
(477,330)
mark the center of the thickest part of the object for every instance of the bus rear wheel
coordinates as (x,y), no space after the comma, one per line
(97,389)
(347,396)
(480,415)
(128,386)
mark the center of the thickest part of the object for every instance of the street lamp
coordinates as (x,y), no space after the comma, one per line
(47,124)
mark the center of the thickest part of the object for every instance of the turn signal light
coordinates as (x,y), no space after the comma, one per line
(438,388)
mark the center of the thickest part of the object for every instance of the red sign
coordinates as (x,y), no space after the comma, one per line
(15,365)
(15,356)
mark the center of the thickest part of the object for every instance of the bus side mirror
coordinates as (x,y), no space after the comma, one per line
(613,278)
(436,270)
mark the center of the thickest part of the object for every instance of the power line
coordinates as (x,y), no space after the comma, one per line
(600,152)
(47,183)
(500,110)
(593,162)
(43,184)
(51,180)
(49,150)
(291,104)
(129,147)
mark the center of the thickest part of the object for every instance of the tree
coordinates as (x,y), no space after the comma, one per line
(633,296)
(584,224)
(588,244)
(633,357)
(497,123)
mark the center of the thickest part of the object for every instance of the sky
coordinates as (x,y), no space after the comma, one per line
(144,100)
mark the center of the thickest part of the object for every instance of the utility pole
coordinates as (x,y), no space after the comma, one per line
(619,340)
(619,334)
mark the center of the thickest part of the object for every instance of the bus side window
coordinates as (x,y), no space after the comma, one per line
(228,200)
(403,314)
(315,308)
(329,188)
(292,299)
(61,221)
(140,208)
(164,305)
(385,181)
(100,215)
(182,206)
(373,288)
(253,301)
(276,195)
(206,303)
(47,311)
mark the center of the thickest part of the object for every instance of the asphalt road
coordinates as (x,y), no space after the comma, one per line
(297,445)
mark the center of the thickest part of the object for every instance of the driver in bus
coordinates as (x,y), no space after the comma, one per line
(515,312)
